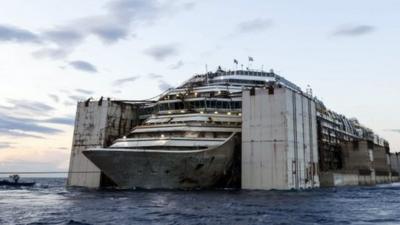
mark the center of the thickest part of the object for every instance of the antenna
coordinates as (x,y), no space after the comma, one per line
(206,74)
(309,90)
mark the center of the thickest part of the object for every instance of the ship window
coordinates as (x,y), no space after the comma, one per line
(213,104)
(201,104)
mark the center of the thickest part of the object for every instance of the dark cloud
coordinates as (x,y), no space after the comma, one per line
(120,82)
(353,31)
(55,98)
(161,52)
(255,25)
(177,65)
(12,124)
(163,85)
(120,19)
(84,91)
(155,76)
(25,108)
(18,35)
(26,127)
(83,66)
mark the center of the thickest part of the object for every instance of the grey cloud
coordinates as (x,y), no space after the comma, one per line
(52,53)
(55,98)
(27,127)
(120,82)
(69,120)
(17,133)
(84,91)
(163,85)
(64,36)
(155,76)
(68,103)
(5,145)
(135,10)
(120,19)
(75,98)
(161,52)
(83,66)
(10,124)
(25,108)
(255,25)
(15,34)
(109,28)
(189,5)
(352,31)
(177,65)
(393,130)
(111,34)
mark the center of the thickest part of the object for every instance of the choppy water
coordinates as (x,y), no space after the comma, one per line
(49,202)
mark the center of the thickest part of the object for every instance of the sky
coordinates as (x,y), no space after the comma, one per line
(55,53)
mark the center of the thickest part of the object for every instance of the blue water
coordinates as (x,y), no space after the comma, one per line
(49,202)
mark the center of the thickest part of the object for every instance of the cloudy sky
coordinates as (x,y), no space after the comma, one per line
(54,53)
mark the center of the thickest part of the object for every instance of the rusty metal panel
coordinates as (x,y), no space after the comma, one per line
(97,124)
(279,145)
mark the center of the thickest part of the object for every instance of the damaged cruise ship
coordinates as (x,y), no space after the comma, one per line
(191,138)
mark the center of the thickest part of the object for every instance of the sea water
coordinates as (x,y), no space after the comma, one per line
(50,202)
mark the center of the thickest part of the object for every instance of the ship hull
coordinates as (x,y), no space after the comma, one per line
(151,169)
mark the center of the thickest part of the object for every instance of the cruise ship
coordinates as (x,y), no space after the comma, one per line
(190,137)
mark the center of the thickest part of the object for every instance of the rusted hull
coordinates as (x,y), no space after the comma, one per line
(164,169)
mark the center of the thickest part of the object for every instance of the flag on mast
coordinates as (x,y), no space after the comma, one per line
(251,59)
(235,61)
